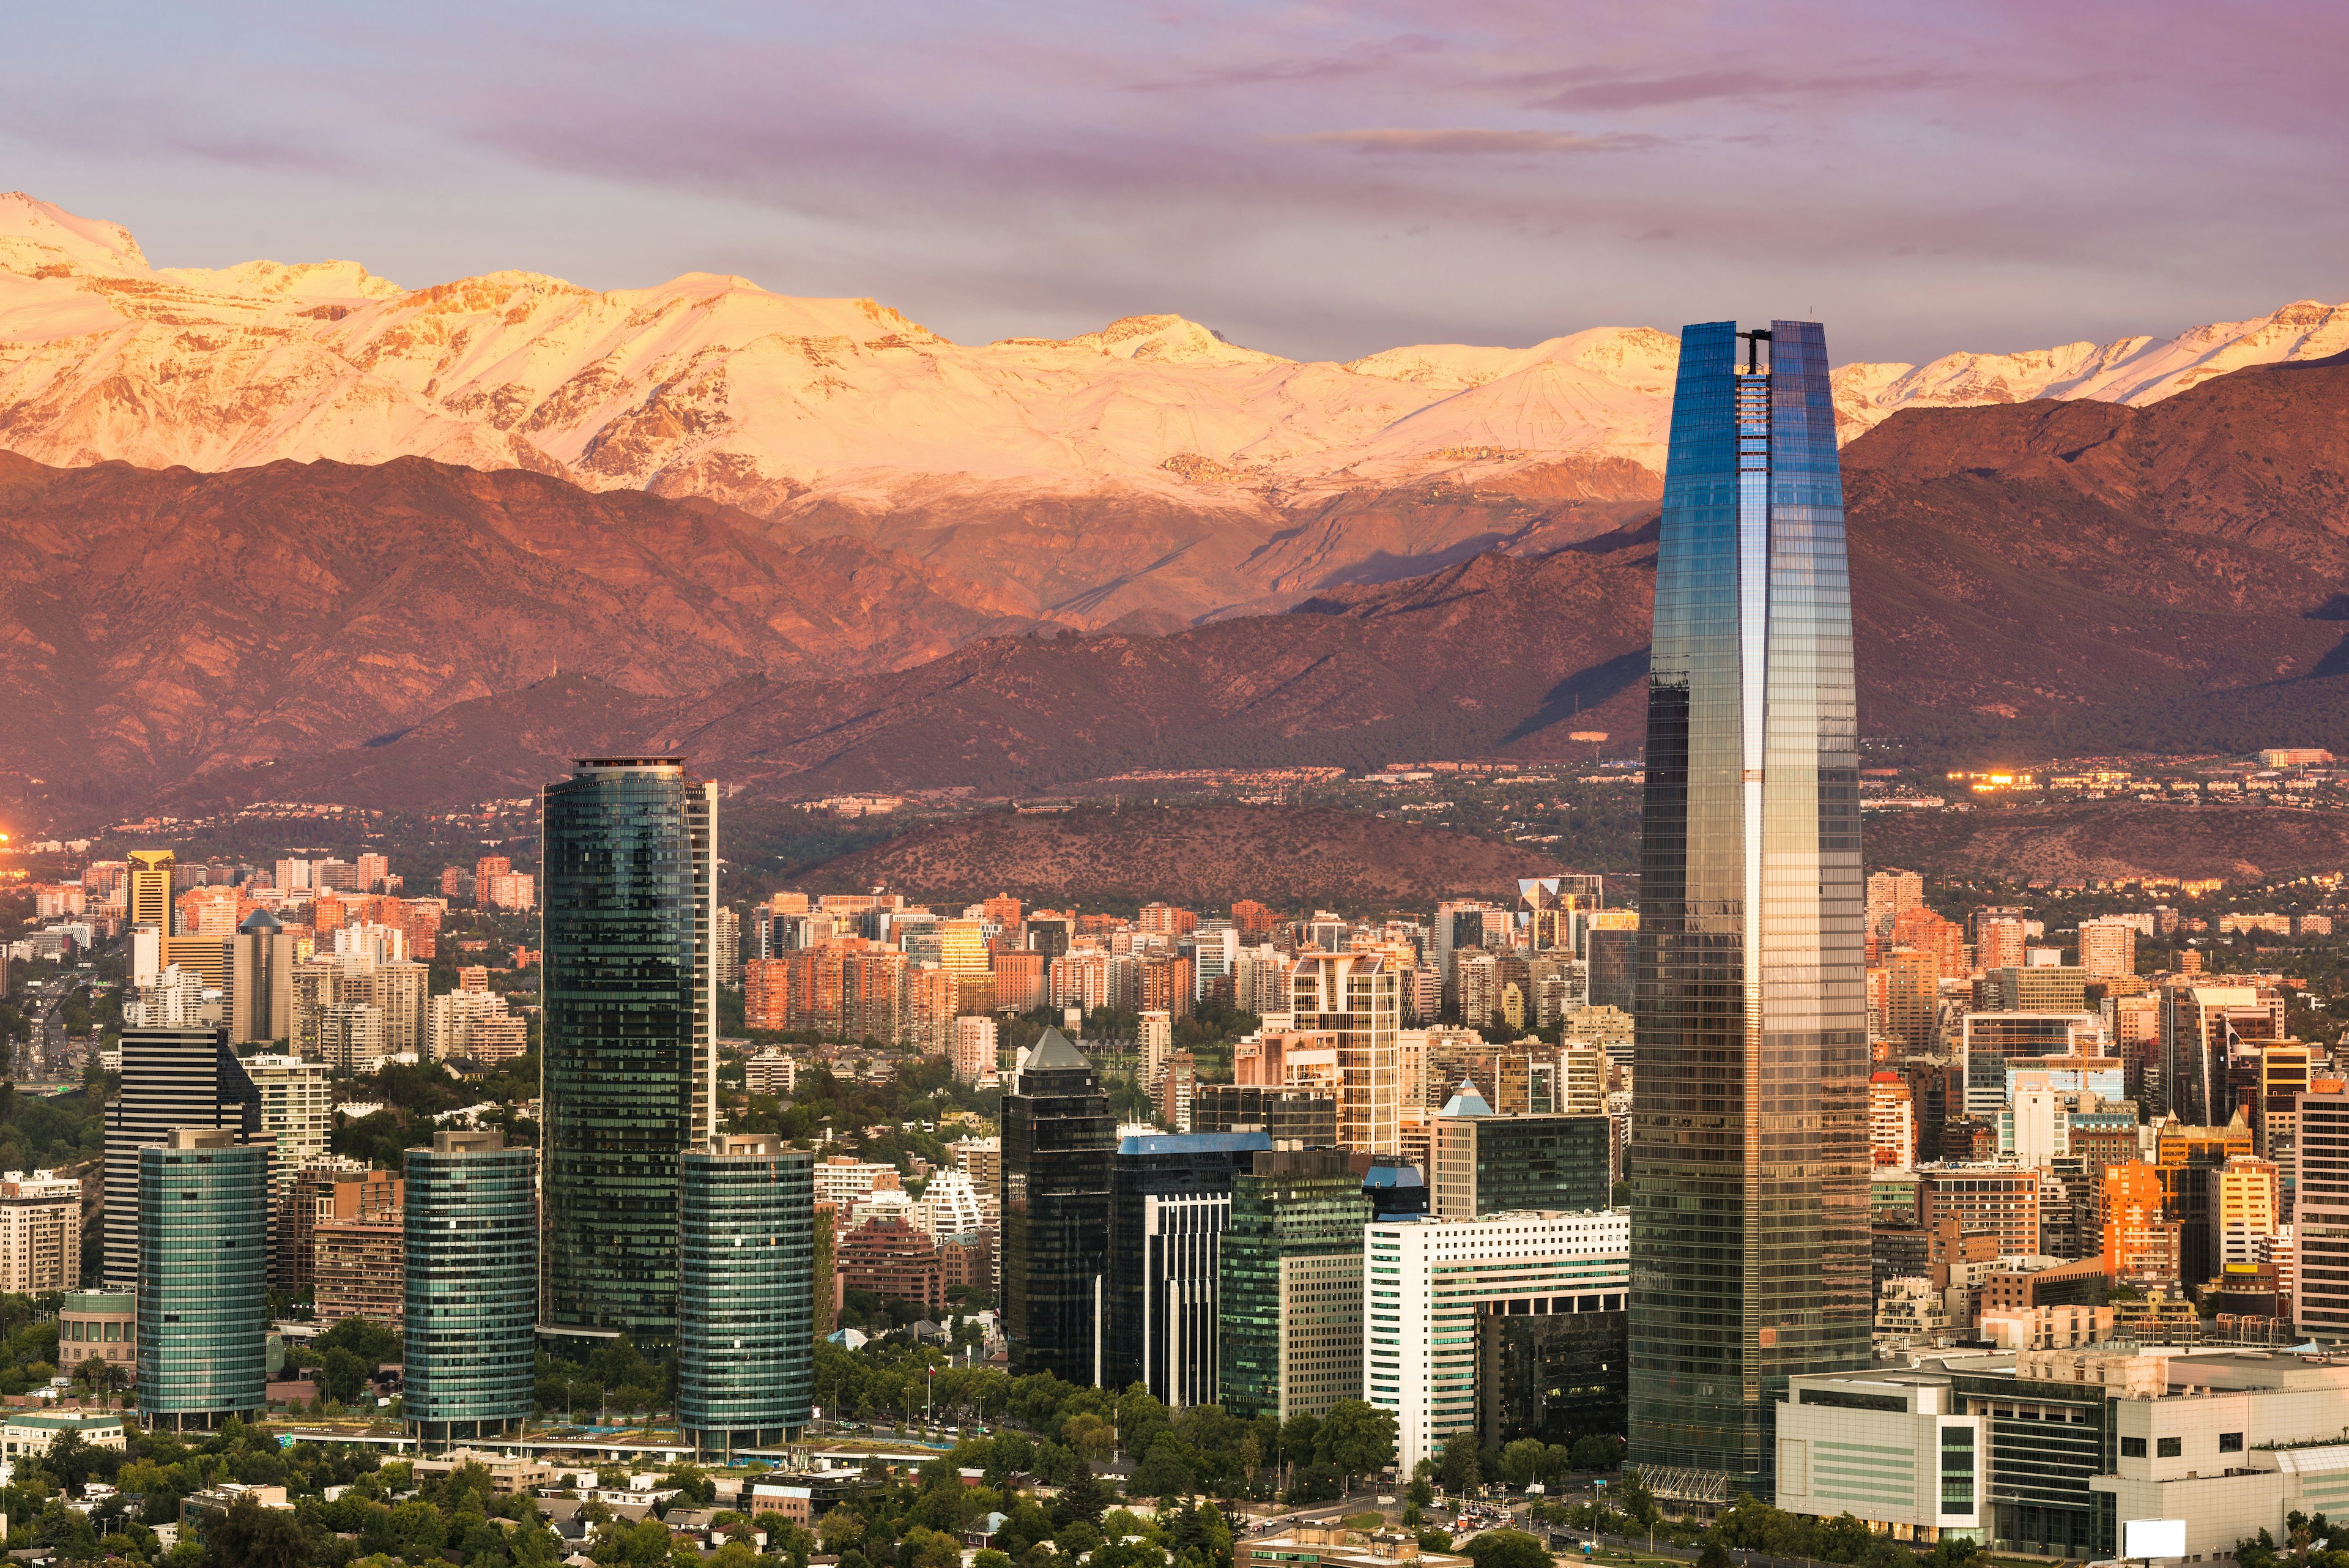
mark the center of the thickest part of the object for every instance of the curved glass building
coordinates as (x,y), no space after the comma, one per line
(204,1278)
(472,1296)
(746,1321)
(1749,1140)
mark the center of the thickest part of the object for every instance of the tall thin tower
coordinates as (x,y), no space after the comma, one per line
(627,1060)
(1749,1141)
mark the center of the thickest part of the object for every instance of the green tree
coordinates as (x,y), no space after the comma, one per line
(251,1536)
(1165,1471)
(1714,1555)
(1506,1549)
(343,1376)
(1356,1437)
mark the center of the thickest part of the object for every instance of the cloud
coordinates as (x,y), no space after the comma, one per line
(1360,60)
(1472,142)
(1743,85)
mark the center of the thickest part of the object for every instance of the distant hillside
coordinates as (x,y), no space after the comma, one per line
(2113,839)
(1203,856)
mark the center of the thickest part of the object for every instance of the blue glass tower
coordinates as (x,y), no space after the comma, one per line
(1749,1141)
(745,1348)
(204,1277)
(471,1288)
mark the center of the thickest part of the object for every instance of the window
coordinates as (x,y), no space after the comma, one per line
(2230,1442)
(2168,1448)
(2132,1448)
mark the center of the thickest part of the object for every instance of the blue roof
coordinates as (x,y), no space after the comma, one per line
(1394,1176)
(1466,1102)
(1195,1143)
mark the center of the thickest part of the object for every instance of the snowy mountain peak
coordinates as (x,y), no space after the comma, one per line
(36,236)
(1162,339)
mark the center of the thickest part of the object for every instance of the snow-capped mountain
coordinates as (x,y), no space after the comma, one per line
(841,415)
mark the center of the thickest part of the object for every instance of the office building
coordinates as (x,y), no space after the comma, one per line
(203,1277)
(629,1060)
(1289,1313)
(1357,999)
(1170,1204)
(1436,1290)
(1059,1145)
(100,1326)
(40,1233)
(471,1288)
(1895,1450)
(1614,960)
(148,901)
(1749,1135)
(2108,948)
(745,1346)
(171,1078)
(1487,1164)
(1291,1118)
(261,957)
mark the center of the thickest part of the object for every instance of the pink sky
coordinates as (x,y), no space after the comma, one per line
(1315,180)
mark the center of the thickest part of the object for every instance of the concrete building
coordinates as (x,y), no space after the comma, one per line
(262,959)
(103,1326)
(297,1110)
(358,1270)
(2320,1298)
(1893,1449)
(973,1049)
(1357,998)
(1430,1284)
(329,1189)
(40,1232)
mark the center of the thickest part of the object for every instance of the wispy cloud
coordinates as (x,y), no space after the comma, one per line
(1742,84)
(1472,142)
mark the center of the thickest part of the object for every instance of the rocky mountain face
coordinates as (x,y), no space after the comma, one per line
(1145,475)
(2075,576)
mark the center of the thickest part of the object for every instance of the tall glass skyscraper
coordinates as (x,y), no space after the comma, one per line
(1058,1143)
(1749,1141)
(204,1277)
(628,1061)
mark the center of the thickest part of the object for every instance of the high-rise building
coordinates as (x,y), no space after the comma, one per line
(1438,1290)
(2320,1291)
(745,1344)
(1890,895)
(1357,999)
(262,956)
(973,1050)
(1488,1164)
(2108,948)
(149,899)
(326,1189)
(1749,1140)
(726,947)
(1170,1203)
(471,1293)
(297,1110)
(359,1269)
(171,1078)
(40,1233)
(1059,1142)
(1289,1332)
(629,1054)
(203,1277)
(1294,1118)
(1614,952)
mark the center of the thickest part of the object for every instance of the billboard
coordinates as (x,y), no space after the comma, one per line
(2153,1538)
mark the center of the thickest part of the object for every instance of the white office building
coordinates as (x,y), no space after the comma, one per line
(1895,1449)
(1426,1282)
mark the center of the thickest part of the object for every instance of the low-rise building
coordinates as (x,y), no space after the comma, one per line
(100,1324)
(27,1434)
(1327,1546)
(1894,1448)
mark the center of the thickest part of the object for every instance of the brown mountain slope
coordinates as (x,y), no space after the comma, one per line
(165,623)
(2041,576)
(2112,839)
(1205,857)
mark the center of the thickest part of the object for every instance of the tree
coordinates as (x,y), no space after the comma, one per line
(1506,1549)
(1522,1461)
(929,1549)
(1463,1465)
(344,1375)
(1083,1497)
(1357,1437)
(1714,1555)
(251,1536)
(1165,1471)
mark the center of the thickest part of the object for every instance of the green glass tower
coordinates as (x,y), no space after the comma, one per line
(628,1065)
(745,1346)
(204,1278)
(1291,1303)
(1749,1130)
(472,1289)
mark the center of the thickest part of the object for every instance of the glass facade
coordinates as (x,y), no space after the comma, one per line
(745,1366)
(1058,1141)
(1544,1162)
(471,1287)
(1276,1318)
(1170,1202)
(204,1278)
(622,1076)
(1749,1143)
